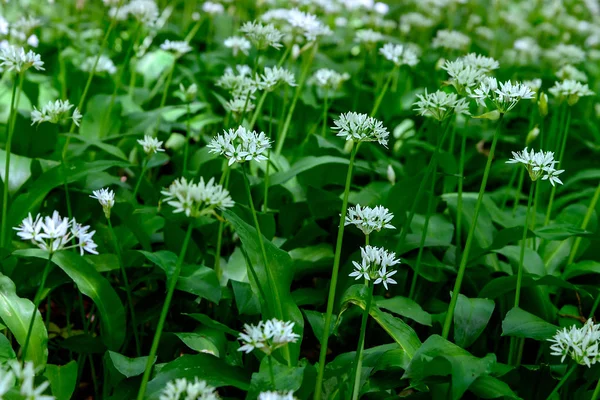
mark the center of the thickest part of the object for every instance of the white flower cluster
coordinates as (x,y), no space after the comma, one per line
(55,112)
(451,40)
(106,198)
(329,79)
(212,8)
(468,71)
(299,24)
(104,65)
(273,77)
(196,199)
(182,389)
(563,54)
(367,36)
(399,54)
(179,48)
(144,11)
(538,165)
(240,85)
(55,233)
(241,144)
(504,95)
(237,44)
(361,128)
(20,32)
(441,105)
(581,344)
(569,72)
(369,219)
(262,36)
(267,336)
(150,144)
(19,380)
(374,265)
(277,396)
(15,58)
(570,91)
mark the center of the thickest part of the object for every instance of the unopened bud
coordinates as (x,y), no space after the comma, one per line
(532,135)
(543,104)
(391,174)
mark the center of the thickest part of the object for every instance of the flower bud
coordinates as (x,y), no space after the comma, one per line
(532,135)
(543,104)
(391,174)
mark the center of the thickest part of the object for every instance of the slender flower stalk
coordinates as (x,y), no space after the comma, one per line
(470,237)
(562,381)
(584,224)
(523,244)
(218,271)
(459,200)
(564,136)
(36,303)
(369,288)
(325,110)
(384,90)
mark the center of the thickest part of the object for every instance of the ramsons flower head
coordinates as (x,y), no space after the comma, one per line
(369,219)
(103,65)
(538,164)
(241,144)
(55,112)
(361,128)
(262,36)
(196,199)
(277,396)
(267,336)
(441,105)
(399,54)
(367,36)
(375,265)
(581,344)
(15,58)
(451,40)
(182,389)
(274,77)
(307,24)
(329,79)
(237,44)
(151,144)
(241,84)
(179,48)
(571,91)
(463,76)
(503,96)
(106,198)
(55,233)
(19,380)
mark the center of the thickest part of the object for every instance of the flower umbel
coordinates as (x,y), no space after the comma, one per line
(581,344)
(277,396)
(151,144)
(369,219)
(399,54)
(14,58)
(361,128)
(504,95)
(441,105)
(267,336)
(182,389)
(55,112)
(570,90)
(19,379)
(538,165)
(374,265)
(106,198)
(241,144)
(196,199)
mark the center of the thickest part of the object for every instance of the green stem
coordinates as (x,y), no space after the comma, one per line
(36,304)
(459,200)
(563,145)
(334,277)
(288,120)
(163,314)
(267,171)
(271,373)
(218,270)
(465,256)
(562,381)
(523,245)
(584,224)
(325,109)
(258,109)
(596,393)
(127,288)
(383,91)
(186,150)
(139,181)
(511,181)
(361,342)
(11,129)
(518,192)
(163,100)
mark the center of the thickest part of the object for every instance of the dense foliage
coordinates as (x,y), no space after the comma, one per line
(329,199)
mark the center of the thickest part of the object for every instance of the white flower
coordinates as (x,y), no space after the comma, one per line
(239,145)
(104,64)
(196,199)
(274,77)
(329,79)
(441,105)
(182,389)
(399,54)
(145,11)
(277,395)
(239,105)
(570,90)
(177,47)
(21,377)
(369,219)
(361,128)
(563,54)
(16,59)
(237,44)
(55,112)
(374,265)
(570,72)
(479,62)
(504,95)
(106,198)
(212,8)
(581,344)
(188,94)
(54,233)
(538,165)
(262,36)
(463,76)
(451,40)
(307,24)
(367,36)
(240,85)
(267,336)
(151,144)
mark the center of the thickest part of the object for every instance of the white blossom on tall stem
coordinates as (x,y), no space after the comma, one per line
(538,164)
(237,44)
(239,145)
(369,219)
(21,377)
(262,36)
(361,128)
(16,59)
(267,336)
(504,96)
(451,40)
(55,112)
(179,48)
(106,198)
(151,144)
(329,79)
(374,266)
(399,54)
(570,90)
(273,77)
(104,65)
(441,105)
(581,344)
(196,199)
(183,389)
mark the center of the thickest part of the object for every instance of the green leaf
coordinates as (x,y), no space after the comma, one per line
(317,323)
(306,164)
(280,266)
(488,387)
(199,342)
(62,379)
(6,350)
(484,231)
(286,378)
(20,171)
(210,323)
(153,64)
(398,330)
(470,319)
(581,268)
(15,313)
(439,357)
(203,366)
(532,262)
(560,232)
(93,285)
(129,367)
(405,307)
(520,323)
(92,142)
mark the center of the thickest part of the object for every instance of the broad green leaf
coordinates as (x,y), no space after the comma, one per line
(286,378)
(560,232)
(488,387)
(5,100)
(398,330)
(62,379)
(581,268)
(153,64)
(470,319)
(107,148)
(20,170)
(520,323)
(484,231)
(15,313)
(306,164)
(532,262)
(405,307)
(317,323)
(93,285)
(199,342)
(210,323)
(280,301)
(203,366)
(439,357)
(129,367)
(6,350)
